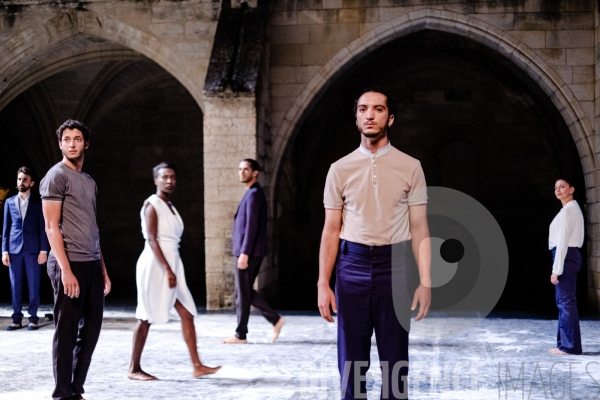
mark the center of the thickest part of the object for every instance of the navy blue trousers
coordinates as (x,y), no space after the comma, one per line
(25,264)
(568,336)
(365,303)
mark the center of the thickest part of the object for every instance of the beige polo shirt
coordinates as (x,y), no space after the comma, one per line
(374,192)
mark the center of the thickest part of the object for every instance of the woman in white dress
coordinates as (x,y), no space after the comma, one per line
(160,276)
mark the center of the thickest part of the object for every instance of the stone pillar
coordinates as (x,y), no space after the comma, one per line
(229,136)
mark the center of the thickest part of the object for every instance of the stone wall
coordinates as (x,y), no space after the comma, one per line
(310,43)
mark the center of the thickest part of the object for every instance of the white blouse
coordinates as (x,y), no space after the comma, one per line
(566,230)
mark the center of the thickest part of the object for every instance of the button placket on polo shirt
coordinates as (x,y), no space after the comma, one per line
(374,179)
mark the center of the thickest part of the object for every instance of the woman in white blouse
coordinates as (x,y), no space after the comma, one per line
(565,239)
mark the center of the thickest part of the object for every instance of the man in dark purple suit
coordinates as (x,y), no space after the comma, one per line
(249,240)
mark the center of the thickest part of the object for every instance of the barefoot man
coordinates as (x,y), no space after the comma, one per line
(249,240)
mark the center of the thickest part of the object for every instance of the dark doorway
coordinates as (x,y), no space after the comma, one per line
(139,115)
(476,122)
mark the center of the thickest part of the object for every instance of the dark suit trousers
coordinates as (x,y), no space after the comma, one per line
(365,302)
(245,296)
(19,264)
(78,322)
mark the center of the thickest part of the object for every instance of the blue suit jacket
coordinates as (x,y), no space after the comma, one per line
(249,234)
(27,235)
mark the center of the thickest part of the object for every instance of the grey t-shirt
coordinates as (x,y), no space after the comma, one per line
(77,191)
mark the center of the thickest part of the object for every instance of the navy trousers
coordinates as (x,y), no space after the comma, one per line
(568,336)
(77,326)
(365,302)
(245,296)
(25,264)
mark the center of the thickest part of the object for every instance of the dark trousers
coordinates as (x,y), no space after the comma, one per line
(365,302)
(20,264)
(78,322)
(568,336)
(245,296)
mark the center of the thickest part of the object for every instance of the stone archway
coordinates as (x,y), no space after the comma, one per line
(446,21)
(25,47)
(551,88)
(139,112)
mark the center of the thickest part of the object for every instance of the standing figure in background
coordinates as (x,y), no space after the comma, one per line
(565,240)
(24,247)
(249,242)
(160,276)
(75,265)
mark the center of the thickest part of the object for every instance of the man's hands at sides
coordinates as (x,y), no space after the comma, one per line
(326,301)
(70,284)
(423,298)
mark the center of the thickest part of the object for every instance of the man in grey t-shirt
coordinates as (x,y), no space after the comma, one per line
(75,265)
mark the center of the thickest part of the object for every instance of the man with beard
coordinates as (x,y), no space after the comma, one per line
(24,248)
(75,265)
(375,198)
(249,242)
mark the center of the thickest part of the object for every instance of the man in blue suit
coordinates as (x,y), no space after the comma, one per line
(249,242)
(24,247)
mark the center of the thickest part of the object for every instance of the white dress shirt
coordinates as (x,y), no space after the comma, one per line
(23,204)
(566,230)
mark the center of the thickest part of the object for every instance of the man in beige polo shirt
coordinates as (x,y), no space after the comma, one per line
(375,200)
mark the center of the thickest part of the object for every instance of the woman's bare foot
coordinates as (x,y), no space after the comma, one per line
(277,328)
(234,340)
(201,370)
(558,352)
(141,376)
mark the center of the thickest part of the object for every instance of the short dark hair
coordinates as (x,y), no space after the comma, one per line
(392,103)
(73,124)
(567,179)
(253,164)
(163,165)
(25,170)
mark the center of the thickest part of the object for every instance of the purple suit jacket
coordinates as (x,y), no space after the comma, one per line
(249,234)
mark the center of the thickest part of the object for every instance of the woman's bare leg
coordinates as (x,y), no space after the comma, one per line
(140,334)
(189,335)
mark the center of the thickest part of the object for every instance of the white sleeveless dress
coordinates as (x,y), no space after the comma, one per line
(155,299)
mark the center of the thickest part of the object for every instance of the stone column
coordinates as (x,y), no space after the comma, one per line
(229,136)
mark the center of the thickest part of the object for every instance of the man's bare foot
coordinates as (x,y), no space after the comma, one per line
(201,370)
(141,376)
(558,352)
(233,340)
(277,328)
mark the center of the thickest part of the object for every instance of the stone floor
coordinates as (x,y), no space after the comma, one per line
(500,358)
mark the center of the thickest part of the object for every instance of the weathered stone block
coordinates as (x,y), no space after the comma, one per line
(283,18)
(503,21)
(576,57)
(319,54)
(283,74)
(571,39)
(554,56)
(289,54)
(575,20)
(311,17)
(532,39)
(327,4)
(535,21)
(168,30)
(583,74)
(286,89)
(293,34)
(334,33)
